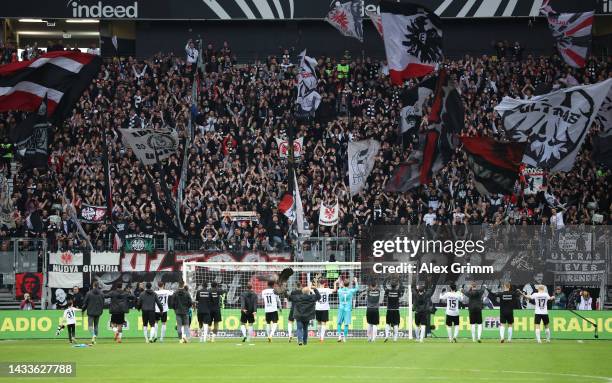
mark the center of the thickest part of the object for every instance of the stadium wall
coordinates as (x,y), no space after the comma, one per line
(257,39)
(41,324)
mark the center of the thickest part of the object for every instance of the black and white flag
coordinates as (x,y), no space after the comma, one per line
(347,18)
(361,155)
(31,138)
(147,142)
(413,100)
(554,124)
(307,96)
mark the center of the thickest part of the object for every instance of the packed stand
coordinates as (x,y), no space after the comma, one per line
(234,163)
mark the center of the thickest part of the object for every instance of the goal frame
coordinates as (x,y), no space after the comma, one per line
(347,265)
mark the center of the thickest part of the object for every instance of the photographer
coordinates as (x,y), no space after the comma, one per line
(26,303)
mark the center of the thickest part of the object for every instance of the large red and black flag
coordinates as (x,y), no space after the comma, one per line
(413,39)
(61,76)
(437,145)
(495,164)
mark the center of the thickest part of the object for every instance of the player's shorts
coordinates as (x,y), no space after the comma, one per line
(247,317)
(541,318)
(506,318)
(163,317)
(204,318)
(322,315)
(452,320)
(291,318)
(272,317)
(148,318)
(420,318)
(215,315)
(475,316)
(392,318)
(118,318)
(344,316)
(373,316)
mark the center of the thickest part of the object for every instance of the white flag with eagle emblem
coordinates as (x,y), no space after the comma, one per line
(328,215)
(413,40)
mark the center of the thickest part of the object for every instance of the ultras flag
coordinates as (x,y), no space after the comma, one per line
(413,40)
(555,124)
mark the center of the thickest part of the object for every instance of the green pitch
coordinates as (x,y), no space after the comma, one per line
(229,360)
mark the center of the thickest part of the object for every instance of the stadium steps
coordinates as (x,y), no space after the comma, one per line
(7,300)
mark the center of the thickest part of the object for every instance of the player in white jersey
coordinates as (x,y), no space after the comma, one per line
(452,297)
(322,308)
(69,321)
(272,304)
(541,299)
(161,315)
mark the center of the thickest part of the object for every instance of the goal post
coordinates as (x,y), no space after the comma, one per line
(234,277)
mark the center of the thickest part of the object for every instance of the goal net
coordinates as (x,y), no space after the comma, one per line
(233,278)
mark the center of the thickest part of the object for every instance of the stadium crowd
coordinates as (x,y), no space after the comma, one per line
(234,163)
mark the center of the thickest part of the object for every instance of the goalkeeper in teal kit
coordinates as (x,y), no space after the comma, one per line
(345,306)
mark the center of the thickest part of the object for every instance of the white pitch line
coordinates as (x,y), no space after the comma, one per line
(453,370)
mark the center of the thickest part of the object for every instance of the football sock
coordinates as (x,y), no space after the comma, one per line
(479,331)
(387,328)
(501,332)
(509,333)
(473,332)
(422,332)
(537,332)
(243,330)
(273,330)
(547,334)
(456,331)
(449,330)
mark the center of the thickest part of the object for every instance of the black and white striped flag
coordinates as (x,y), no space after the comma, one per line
(62,76)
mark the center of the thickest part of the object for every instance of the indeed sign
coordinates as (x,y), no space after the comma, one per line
(104,11)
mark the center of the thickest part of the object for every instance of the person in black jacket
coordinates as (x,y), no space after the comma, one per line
(421,304)
(303,304)
(248,311)
(93,304)
(119,306)
(216,297)
(475,308)
(392,319)
(181,303)
(147,301)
